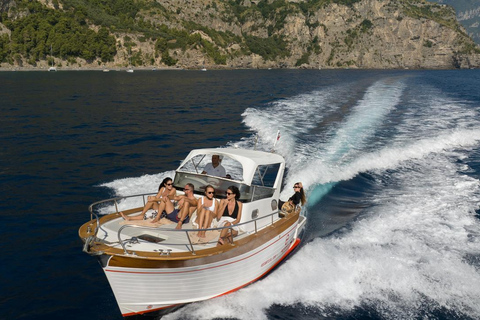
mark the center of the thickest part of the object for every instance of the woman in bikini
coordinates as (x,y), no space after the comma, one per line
(206,210)
(229,213)
(165,190)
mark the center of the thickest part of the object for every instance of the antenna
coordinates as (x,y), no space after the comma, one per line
(276,140)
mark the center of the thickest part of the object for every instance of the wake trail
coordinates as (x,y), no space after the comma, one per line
(393,156)
(349,138)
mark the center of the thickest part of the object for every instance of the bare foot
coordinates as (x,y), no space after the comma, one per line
(220,242)
(124,216)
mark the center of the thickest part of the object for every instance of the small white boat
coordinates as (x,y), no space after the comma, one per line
(106,70)
(155,268)
(130,70)
(204,69)
(52,67)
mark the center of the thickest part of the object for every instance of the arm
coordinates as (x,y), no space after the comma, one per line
(207,167)
(199,206)
(296,198)
(172,193)
(223,172)
(217,204)
(221,208)
(192,202)
(157,196)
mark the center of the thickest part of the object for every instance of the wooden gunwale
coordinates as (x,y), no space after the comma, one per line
(144,259)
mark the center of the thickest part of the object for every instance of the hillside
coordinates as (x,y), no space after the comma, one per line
(233,34)
(468,14)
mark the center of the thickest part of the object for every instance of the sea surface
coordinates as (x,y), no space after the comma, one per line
(390,161)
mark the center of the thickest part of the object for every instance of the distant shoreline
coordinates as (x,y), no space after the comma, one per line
(45,69)
(196,68)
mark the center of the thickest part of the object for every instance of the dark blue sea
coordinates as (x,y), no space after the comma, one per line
(390,161)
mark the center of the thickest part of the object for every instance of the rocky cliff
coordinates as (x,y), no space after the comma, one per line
(295,34)
(468,14)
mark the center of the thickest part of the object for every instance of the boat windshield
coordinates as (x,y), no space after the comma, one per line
(196,164)
(262,184)
(201,181)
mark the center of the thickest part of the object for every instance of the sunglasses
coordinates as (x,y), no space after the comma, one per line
(210,192)
(295,187)
(186,189)
(168,184)
(228,193)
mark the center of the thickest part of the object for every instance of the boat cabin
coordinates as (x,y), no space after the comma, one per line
(258,176)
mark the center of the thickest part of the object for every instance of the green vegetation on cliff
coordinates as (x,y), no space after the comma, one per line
(42,31)
(146,31)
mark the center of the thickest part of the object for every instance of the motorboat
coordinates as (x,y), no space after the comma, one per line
(154,268)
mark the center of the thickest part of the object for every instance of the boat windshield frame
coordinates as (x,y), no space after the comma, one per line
(257,174)
(201,181)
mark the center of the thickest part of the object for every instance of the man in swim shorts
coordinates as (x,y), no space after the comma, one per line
(187,204)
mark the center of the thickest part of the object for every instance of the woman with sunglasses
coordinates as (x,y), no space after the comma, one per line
(206,210)
(297,198)
(229,213)
(165,190)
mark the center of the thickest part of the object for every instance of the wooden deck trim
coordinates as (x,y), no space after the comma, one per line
(144,259)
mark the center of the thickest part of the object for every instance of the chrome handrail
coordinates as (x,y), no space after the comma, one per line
(115,202)
(186,231)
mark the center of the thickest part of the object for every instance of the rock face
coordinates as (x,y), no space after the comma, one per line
(468,14)
(365,34)
(368,34)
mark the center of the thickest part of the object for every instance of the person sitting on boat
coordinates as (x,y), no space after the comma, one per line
(229,213)
(206,210)
(215,168)
(165,190)
(297,198)
(187,204)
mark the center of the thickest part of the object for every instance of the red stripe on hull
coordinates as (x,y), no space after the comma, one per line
(292,247)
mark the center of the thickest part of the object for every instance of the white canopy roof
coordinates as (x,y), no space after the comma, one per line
(249,159)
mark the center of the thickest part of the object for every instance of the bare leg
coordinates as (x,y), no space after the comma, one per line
(139,217)
(209,219)
(183,214)
(147,206)
(207,222)
(124,216)
(200,219)
(160,208)
(224,233)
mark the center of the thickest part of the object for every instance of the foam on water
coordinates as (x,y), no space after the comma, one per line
(293,118)
(134,185)
(415,250)
(350,138)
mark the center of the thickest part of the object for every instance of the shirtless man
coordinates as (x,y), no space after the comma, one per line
(187,204)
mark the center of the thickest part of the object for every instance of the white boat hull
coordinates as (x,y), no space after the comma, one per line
(154,268)
(144,290)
